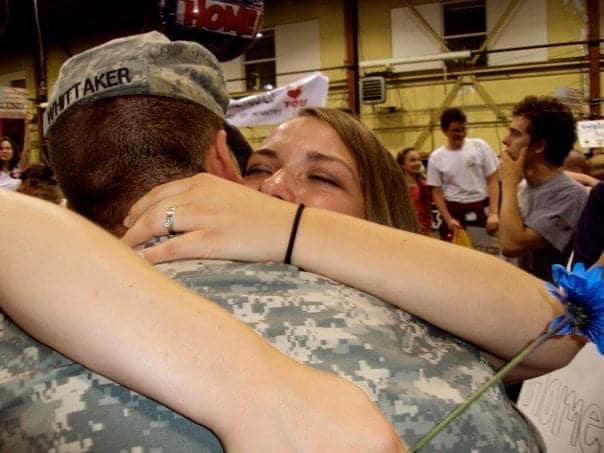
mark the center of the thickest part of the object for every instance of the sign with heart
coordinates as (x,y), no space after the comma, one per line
(294,91)
(280,104)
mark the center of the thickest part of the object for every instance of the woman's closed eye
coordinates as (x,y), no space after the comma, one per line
(259,170)
(323,178)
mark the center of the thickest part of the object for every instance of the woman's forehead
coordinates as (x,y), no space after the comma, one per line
(308,134)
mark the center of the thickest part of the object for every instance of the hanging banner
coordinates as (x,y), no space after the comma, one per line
(13,103)
(280,104)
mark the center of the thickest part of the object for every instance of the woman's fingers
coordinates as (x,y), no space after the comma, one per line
(188,245)
(156,195)
(172,215)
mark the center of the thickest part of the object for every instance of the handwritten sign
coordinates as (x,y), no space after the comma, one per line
(591,133)
(567,405)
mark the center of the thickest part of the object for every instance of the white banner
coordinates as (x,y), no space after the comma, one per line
(280,104)
(13,103)
(567,405)
(591,133)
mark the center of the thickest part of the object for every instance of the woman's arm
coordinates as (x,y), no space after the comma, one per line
(94,300)
(582,178)
(475,296)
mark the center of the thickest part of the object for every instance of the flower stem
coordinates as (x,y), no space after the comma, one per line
(493,380)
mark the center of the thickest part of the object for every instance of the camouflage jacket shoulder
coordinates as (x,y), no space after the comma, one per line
(415,372)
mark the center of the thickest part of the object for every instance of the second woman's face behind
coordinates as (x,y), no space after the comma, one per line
(305,161)
(413,162)
(6,150)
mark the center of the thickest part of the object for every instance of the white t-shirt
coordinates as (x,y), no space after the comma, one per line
(8,182)
(462,174)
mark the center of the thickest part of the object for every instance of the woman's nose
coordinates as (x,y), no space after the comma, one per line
(279,185)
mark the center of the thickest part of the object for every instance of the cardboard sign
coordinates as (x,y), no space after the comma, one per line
(280,104)
(567,405)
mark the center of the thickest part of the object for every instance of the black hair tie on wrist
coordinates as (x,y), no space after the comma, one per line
(292,235)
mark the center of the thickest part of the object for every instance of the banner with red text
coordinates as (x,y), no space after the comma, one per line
(280,104)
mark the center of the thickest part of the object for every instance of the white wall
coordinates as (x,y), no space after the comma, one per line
(233,69)
(411,39)
(526,26)
(297,48)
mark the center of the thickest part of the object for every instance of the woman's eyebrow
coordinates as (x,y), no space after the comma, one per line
(313,156)
(317,156)
(266,152)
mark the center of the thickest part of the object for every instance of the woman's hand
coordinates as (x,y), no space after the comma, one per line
(219,219)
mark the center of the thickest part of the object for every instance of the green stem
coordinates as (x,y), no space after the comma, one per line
(484,387)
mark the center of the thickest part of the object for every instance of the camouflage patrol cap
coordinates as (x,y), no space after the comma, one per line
(145,64)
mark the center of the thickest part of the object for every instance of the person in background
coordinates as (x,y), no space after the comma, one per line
(596,163)
(39,181)
(463,176)
(575,162)
(589,241)
(409,160)
(575,166)
(540,205)
(9,164)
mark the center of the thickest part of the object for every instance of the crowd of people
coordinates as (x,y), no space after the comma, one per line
(544,185)
(310,242)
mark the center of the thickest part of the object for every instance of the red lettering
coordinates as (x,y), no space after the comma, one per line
(213,17)
(217,16)
(247,21)
(231,20)
(296,103)
(190,16)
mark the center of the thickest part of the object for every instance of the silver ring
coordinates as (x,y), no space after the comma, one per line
(169,222)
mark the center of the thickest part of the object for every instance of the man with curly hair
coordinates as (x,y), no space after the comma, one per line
(540,205)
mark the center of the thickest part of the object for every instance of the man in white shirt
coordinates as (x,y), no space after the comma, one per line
(463,176)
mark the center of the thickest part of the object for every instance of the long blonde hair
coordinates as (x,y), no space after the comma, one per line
(382,182)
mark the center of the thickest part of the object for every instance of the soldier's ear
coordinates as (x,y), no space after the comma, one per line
(220,161)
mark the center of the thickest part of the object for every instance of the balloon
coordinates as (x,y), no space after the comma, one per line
(227,28)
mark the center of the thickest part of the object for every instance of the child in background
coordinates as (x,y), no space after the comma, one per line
(421,195)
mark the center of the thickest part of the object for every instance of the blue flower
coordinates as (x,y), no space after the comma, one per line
(582,293)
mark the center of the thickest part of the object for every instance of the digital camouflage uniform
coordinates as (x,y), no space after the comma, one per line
(414,372)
